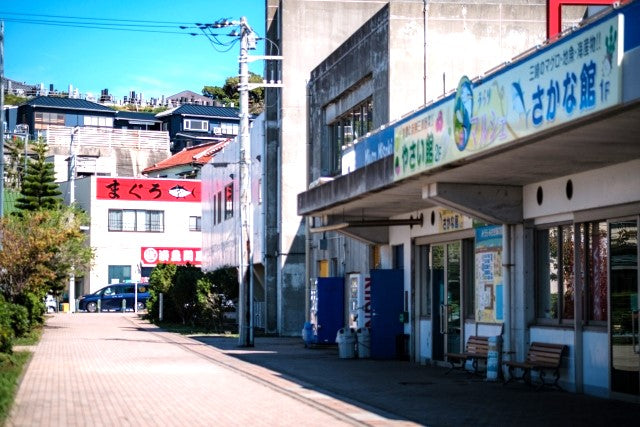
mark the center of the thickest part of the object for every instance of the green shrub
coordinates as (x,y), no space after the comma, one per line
(19,320)
(161,281)
(184,293)
(6,331)
(209,309)
(35,306)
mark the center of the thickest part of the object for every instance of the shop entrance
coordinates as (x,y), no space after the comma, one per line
(445,274)
(624,321)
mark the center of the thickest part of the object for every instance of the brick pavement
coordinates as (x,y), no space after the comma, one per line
(113,369)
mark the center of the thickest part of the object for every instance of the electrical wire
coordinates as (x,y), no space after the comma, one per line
(89,25)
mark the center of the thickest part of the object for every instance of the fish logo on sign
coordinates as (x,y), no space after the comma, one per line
(179,192)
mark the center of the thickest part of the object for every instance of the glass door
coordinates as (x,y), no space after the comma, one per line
(624,339)
(445,261)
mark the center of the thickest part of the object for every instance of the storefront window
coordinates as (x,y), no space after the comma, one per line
(596,260)
(554,273)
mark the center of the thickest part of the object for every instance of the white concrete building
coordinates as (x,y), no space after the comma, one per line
(223,213)
(137,223)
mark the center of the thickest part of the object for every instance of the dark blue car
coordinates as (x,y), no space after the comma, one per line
(110,298)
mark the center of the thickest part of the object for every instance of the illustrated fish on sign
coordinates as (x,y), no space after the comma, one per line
(179,192)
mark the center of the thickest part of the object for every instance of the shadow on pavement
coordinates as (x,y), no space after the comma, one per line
(424,394)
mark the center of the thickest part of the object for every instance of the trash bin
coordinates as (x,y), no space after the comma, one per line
(364,343)
(346,340)
(65,307)
(493,358)
(307,334)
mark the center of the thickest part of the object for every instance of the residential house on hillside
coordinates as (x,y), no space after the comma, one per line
(136,121)
(89,132)
(43,111)
(188,97)
(186,163)
(191,125)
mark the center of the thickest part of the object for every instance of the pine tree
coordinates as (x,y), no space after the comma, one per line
(39,190)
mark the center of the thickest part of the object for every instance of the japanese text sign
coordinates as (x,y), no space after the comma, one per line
(575,77)
(180,256)
(148,189)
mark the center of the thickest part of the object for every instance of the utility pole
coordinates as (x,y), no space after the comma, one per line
(245,313)
(245,297)
(72,199)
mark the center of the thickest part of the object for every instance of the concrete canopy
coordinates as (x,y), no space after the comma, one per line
(602,139)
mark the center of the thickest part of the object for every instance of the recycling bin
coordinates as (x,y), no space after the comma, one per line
(307,334)
(346,339)
(364,343)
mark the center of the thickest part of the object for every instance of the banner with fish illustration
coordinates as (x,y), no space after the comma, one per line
(574,77)
(148,189)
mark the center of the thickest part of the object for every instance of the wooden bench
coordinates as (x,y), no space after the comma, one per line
(477,349)
(542,358)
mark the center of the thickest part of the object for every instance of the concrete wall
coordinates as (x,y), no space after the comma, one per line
(472,37)
(306,32)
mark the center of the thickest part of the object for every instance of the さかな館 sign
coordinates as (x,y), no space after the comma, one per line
(574,77)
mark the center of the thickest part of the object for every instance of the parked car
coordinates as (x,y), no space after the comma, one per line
(111,297)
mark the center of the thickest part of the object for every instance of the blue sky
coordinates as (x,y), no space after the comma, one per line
(92,59)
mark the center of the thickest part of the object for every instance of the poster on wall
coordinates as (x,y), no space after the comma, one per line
(488,280)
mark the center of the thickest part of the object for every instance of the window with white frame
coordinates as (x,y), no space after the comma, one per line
(196,125)
(229,128)
(228,201)
(42,119)
(136,220)
(195,223)
(97,121)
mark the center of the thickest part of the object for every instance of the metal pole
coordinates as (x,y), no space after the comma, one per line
(72,197)
(245,323)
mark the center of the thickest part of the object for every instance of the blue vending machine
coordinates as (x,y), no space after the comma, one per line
(327,308)
(387,314)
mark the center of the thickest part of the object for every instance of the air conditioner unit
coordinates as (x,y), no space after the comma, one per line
(217,130)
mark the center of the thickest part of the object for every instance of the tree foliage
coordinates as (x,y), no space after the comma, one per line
(15,163)
(10,99)
(39,251)
(192,297)
(228,94)
(39,189)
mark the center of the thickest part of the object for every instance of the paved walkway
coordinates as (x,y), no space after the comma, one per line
(116,370)
(113,369)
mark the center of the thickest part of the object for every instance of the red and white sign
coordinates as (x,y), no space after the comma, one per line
(180,256)
(148,189)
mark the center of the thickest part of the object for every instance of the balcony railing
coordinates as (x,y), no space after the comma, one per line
(106,138)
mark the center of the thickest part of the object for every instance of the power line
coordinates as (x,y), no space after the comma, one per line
(111,27)
(91,19)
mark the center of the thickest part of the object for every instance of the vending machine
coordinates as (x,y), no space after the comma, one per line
(327,308)
(355,300)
